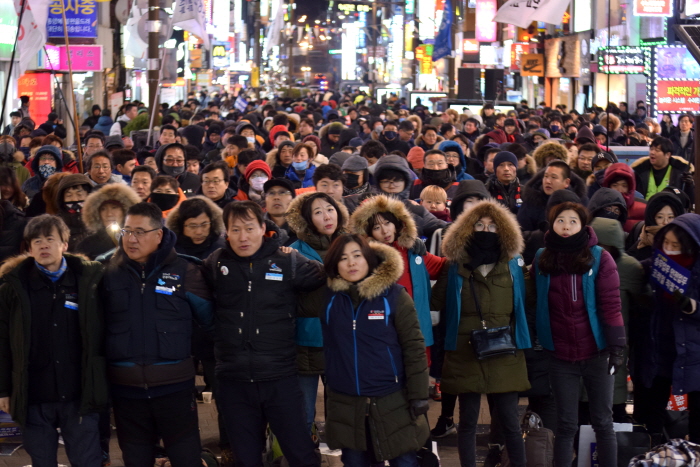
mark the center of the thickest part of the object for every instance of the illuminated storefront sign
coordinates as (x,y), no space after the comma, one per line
(348,8)
(470,46)
(424,55)
(532,65)
(486,30)
(624,60)
(653,8)
(38,87)
(81,18)
(517,50)
(678,96)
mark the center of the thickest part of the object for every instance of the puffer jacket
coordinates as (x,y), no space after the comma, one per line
(15,330)
(509,196)
(642,171)
(34,184)
(309,336)
(214,241)
(567,322)
(634,291)
(607,197)
(501,297)
(419,266)
(189,182)
(256,307)
(11,230)
(454,146)
(371,383)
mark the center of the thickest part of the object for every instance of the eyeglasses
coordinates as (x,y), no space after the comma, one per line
(435,164)
(480,227)
(177,161)
(94,146)
(214,181)
(136,233)
(278,193)
(203,225)
(101,167)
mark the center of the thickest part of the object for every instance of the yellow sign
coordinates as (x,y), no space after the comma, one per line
(424,55)
(350,7)
(218,51)
(532,65)
(255,77)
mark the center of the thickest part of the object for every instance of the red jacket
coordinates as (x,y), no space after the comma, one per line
(571,328)
(433,263)
(635,207)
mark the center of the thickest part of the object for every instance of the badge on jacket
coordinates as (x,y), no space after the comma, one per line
(375,314)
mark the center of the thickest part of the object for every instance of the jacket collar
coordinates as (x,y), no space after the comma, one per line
(389,270)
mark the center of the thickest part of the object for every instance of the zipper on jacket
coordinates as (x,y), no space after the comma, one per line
(574,296)
(251,316)
(143,278)
(355,314)
(393,365)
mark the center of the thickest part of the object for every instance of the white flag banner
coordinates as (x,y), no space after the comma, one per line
(134,45)
(189,15)
(523,12)
(32,33)
(273,33)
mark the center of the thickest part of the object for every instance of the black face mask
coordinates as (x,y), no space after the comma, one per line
(165,201)
(352,180)
(485,248)
(607,214)
(440,178)
(74,207)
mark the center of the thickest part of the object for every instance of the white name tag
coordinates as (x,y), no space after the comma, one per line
(270,276)
(164,290)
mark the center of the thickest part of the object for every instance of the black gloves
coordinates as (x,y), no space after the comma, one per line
(682,301)
(687,178)
(616,360)
(418,407)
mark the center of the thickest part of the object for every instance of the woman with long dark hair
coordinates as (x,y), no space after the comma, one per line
(10,189)
(579,322)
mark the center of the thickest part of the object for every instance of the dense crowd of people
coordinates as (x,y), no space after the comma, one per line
(358,246)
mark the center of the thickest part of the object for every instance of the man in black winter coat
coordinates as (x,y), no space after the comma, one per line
(256,286)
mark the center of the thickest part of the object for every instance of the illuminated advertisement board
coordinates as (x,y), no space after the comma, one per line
(624,60)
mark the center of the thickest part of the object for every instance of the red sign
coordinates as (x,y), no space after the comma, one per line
(38,87)
(517,49)
(653,7)
(486,30)
(470,46)
(84,57)
(678,96)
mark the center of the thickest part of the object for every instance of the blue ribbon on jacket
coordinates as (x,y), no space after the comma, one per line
(308,332)
(420,279)
(454,305)
(543,323)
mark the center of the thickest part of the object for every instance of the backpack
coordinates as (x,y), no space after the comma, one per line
(539,443)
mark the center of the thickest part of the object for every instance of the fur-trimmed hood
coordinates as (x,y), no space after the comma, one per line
(550,149)
(530,165)
(376,205)
(119,192)
(298,224)
(323,132)
(11,263)
(614,122)
(217,217)
(419,140)
(387,273)
(460,233)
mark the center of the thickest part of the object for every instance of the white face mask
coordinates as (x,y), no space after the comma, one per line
(251,139)
(672,253)
(257,183)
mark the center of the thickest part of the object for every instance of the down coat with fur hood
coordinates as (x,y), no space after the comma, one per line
(98,241)
(550,150)
(419,266)
(497,293)
(214,240)
(370,383)
(314,246)
(643,170)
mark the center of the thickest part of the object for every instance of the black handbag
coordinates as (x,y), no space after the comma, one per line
(490,342)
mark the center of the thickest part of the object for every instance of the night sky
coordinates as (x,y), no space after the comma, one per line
(314,9)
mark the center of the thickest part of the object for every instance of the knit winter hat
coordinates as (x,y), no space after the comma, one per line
(415,157)
(258,165)
(504,156)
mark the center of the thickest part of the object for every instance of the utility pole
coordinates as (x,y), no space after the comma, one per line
(290,56)
(451,71)
(152,26)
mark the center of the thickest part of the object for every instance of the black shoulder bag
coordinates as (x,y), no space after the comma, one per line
(490,342)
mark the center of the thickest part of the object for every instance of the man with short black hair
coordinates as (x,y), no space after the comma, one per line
(436,171)
(447,131)
(124,163)
(93,142)
(141,179)
(390,138)
(170,159)
(130,113)
(256,287)
(168,135)
(153,294)
(581,164)
(683,144)
(329,179)
(661,169)
(471,129)
(372,150)
(52,372)
(15,118)
(406,132)
(100,168)
(215,183)
(279,193)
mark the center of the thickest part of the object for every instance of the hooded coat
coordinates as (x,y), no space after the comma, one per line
(420,142)
(549,149)
(34,184)
(634,290)
(497,293)
(189,182)
(98,240)
(532,212)
(402,364)
(607,197)
(635,207)
(655,204)
(104,124)
(15,331)
(214,241)
(74,221)
(684,331)
(313,246)
(464,165)
(419,266)
(643,170)
(426,223)
(328,147)
(467,189)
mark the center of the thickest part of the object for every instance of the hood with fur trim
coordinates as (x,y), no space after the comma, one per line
(299,225)
(387,273)
(11,263)
(614,123)
(217,216)
(550,149)
(369,208)
(676,162)
(118,192)
(439,140)
(461,232)
(530,165)
(323,132)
